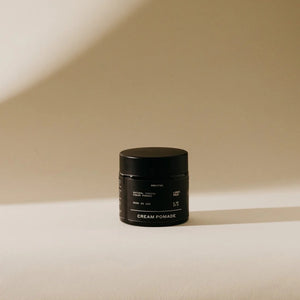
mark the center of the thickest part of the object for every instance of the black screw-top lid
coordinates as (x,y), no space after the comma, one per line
(153,162)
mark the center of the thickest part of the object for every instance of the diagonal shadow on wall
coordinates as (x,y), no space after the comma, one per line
(217,78)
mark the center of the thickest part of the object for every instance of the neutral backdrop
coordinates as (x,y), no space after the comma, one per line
(82,80)
(217,78)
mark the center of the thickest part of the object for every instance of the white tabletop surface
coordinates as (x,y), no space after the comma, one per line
(235,246)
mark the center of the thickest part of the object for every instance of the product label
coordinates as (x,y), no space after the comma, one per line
(153,201)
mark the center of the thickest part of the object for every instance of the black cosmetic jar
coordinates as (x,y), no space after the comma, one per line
(153,186)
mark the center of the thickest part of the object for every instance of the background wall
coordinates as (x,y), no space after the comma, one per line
(218,78)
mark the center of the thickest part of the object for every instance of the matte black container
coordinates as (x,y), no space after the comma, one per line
(153,186)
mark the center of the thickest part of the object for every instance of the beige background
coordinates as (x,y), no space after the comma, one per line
(218,78)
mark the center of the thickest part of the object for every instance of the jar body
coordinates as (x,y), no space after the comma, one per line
(154,201)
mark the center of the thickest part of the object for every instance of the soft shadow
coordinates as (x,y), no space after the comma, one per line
(244,216)
(217,78)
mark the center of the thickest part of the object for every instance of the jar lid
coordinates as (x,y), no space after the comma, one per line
(153,162)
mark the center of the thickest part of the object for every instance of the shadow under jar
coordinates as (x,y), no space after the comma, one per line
(153,186)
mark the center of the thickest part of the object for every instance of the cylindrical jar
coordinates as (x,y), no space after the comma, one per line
(153,186)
